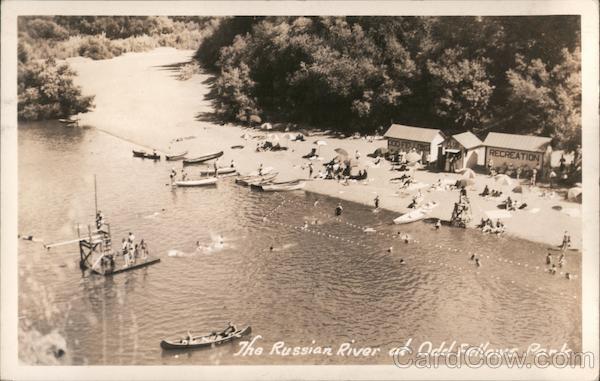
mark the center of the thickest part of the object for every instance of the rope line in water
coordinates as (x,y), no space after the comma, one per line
(393,236)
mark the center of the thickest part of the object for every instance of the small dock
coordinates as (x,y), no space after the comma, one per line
(142,263)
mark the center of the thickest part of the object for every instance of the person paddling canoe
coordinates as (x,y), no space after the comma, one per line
(229,330)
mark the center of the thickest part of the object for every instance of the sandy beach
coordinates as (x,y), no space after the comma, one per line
(170,108)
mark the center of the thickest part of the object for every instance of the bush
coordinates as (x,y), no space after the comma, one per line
(46,91)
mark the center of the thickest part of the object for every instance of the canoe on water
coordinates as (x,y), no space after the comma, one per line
(146,155)
(204,341)
(413,216)
(179,156)
(196,183)
(280,186)
(202,159)
(220,171)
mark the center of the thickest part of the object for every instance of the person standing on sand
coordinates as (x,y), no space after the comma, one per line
(438,224)
(533,176)
(310,170)
(549,259)
(216,167)
(490,165)
(376,201)
(260,169)
(552,178)
(566,241)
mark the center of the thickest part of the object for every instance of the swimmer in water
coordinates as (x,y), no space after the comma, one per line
(473,257)
(477,262)
(568,276)
(406,238)
(438,224)
(305,225)
(271,248)
(391,249)
(553,270)
(549,259)
(401,261)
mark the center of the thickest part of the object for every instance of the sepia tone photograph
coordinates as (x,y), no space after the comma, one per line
(209,190)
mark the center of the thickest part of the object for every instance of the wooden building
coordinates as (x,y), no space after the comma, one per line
(517,151)
(463,150)
(425,141)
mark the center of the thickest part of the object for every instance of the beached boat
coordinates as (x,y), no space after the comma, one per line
(280,186)
(409,217)
(204,341)
(179,156)
(202,159)
(146,155)
(68,121)
(220,171)
(256,180)
(196,183)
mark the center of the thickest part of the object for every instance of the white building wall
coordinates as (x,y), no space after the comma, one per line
(434,146)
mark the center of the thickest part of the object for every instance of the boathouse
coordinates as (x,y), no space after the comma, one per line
(425,141)
(517,150)
(464,150)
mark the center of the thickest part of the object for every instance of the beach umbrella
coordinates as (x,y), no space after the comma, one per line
(255,118)
(575,194)
(468,174)
(341,152)
(503,180)
(413,157)
(320,143)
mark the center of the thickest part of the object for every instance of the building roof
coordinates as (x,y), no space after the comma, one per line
(519,142)
(418,134)
(467,139)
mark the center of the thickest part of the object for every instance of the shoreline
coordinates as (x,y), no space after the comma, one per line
(155,111)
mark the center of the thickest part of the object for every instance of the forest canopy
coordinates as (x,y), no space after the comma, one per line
(517,74)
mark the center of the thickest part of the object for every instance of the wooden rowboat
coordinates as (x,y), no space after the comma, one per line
(204,341)
(146,155)
(220,171)
(179,156)
(250,180)
(202,159)
(413,216)
(280,186)
(196,183)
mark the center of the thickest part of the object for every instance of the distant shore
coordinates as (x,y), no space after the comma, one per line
(170,108)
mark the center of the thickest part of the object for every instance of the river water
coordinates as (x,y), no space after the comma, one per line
(322,286)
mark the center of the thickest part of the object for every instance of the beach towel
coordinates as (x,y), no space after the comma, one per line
(497,214)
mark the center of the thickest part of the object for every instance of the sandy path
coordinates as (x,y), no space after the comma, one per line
(138,100)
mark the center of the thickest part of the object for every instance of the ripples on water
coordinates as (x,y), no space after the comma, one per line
(330,283)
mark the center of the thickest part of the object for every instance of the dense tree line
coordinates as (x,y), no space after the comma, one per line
(508,74)
(45,85)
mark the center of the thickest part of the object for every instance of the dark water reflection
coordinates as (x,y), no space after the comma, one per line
(331,283)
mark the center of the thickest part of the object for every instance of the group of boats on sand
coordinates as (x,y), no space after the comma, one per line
(261,180)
